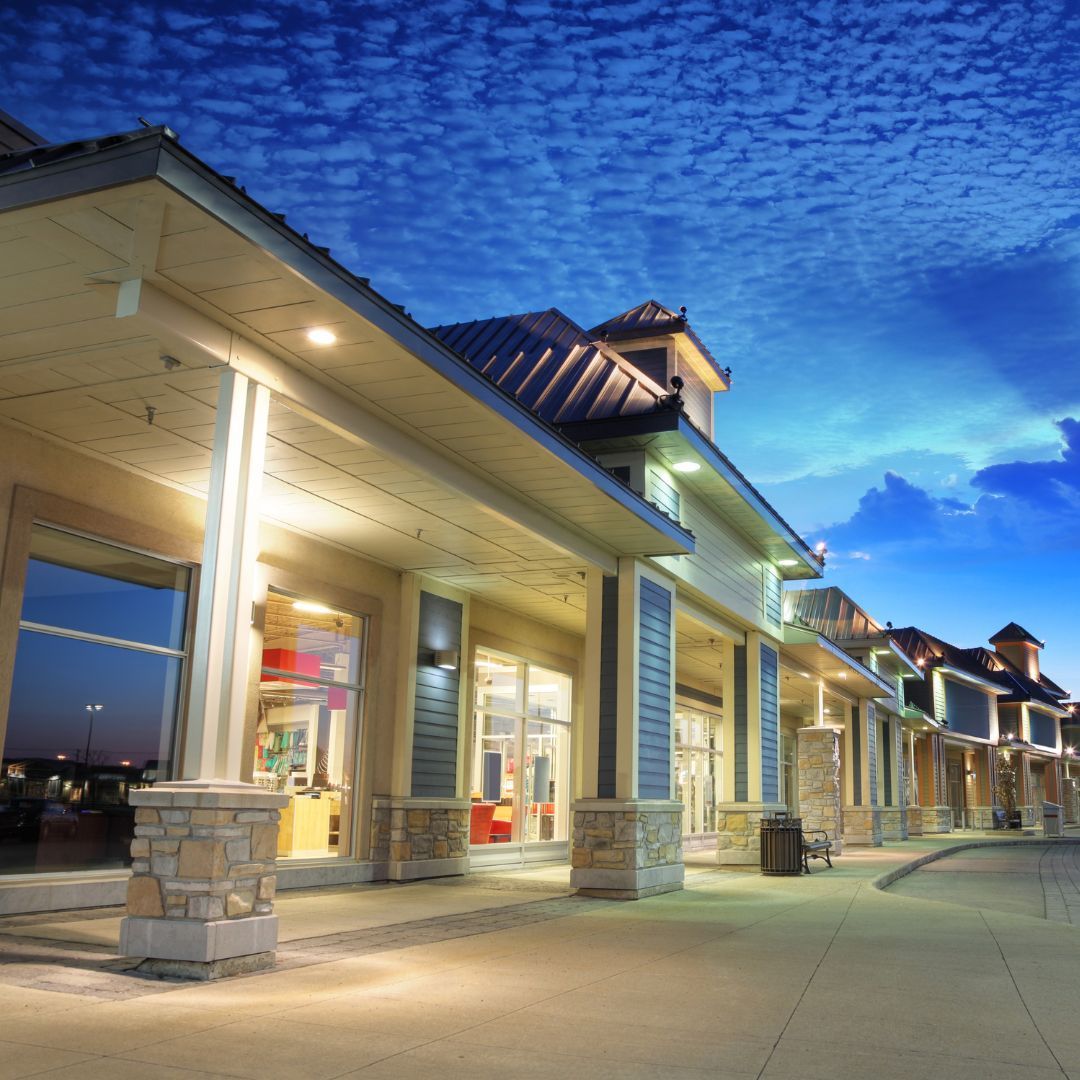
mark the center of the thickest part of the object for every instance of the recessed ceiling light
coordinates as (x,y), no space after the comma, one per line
(787,562)
(321,336)
(686,466)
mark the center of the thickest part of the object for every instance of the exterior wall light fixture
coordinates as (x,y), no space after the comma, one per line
(447,659)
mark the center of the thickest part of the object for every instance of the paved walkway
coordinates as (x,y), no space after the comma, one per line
(1041,880)
(737,976)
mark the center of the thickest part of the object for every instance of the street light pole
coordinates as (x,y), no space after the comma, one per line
(91,710)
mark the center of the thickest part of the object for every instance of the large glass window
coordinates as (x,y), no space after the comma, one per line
(698,767)
(94,700)
(521,752)
(310,703)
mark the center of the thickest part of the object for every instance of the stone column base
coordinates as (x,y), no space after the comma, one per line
(862,825)
(738,827)
(914,820)
(819,782)
(200,898)
(894,823)
(420,838)
(936,819)
(626,849)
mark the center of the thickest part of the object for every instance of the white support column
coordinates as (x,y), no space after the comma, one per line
(220,653)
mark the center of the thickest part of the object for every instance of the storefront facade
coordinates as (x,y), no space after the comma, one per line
(262,528)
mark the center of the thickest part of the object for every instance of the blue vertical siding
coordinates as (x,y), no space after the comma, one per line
(609,689)
(1042,728)
(435,714)
(856,756)
(968,710)
(886,759)
(654,692)
(871,754)
(739,715)
(770,725)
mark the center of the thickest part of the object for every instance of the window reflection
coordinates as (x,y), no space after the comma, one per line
(89,720)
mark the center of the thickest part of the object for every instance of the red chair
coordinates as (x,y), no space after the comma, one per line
(500,832)
(480,819)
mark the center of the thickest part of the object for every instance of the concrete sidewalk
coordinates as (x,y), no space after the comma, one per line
(492,977)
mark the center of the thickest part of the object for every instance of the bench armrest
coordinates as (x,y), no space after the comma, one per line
(821,834)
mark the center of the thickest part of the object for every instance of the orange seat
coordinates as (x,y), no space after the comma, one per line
(480,823)
(500,832)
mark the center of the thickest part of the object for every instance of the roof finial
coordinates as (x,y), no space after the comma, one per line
(682,313)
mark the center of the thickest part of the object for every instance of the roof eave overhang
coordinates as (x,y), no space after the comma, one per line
(640,430)
(811,648)
(885,646)
(973,680)
(153,155)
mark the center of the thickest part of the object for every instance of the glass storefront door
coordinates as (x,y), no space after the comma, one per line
(520,760)
(698,768)
(310,700)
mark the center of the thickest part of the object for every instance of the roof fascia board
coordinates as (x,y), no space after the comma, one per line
(797,635)
(125,163)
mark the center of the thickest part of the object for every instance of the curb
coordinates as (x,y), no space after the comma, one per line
(885,880)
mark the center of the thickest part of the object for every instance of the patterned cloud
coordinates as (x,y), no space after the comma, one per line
(869,209)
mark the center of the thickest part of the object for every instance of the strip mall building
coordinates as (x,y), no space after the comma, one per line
(484,595)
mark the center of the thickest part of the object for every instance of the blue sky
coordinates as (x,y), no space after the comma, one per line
(869,211)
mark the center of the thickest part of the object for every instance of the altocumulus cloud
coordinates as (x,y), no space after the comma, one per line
(1032,504)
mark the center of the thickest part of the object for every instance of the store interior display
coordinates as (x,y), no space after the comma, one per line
(309,704)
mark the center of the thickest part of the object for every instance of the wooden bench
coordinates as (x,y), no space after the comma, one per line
(816,849)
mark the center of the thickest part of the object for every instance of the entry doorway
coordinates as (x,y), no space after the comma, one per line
(954,777)
(520,763)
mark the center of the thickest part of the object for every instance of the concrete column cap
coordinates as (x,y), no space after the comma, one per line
(233,794)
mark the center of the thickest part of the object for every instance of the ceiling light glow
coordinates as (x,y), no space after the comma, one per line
(686,466)
(321,336)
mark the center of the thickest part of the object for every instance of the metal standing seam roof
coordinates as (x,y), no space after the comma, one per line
(550,365)
(980,662)
(565,375)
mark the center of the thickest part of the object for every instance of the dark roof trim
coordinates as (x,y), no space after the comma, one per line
(155,153)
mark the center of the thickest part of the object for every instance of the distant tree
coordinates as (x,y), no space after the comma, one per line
(1005,788)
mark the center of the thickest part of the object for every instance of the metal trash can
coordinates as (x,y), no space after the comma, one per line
(781,844)
(1052,823)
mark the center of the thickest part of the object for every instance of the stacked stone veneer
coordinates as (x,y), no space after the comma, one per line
(200,899)
(420,839)
(626,849)
(935,819)
(819,782)
(862,825)
(738,831)
(894,823)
